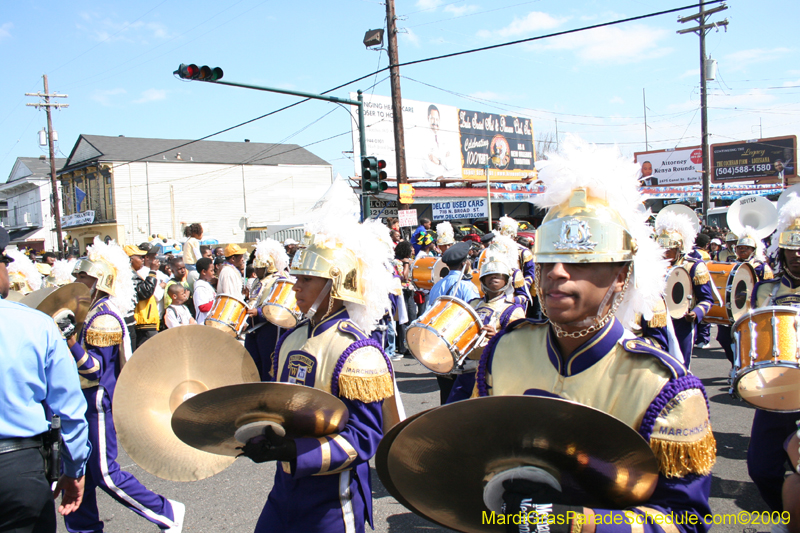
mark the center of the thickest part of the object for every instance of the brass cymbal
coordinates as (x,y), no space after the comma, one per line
(33,299)
(14,296)
(163,373)
(210,420)
(75,297)
(437,463)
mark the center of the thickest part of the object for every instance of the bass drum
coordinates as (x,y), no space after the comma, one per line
(734,283)
(678,292)
(426,271)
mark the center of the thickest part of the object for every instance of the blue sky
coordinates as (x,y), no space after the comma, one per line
(115,61)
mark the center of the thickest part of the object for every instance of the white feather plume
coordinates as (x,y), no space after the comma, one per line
(508,226)
(677,222)
(445,233)
(607,175)
(113,254)
(788,213)
(23,266)
(505,247)
(370,242)
(62,271)
(272,248)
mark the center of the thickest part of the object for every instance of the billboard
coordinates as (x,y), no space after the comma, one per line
(679,166)
(446,143)
(771,160)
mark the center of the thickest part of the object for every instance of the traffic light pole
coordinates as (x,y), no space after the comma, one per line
(362,134)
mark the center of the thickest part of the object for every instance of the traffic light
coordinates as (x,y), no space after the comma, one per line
(373,175)
(193,72)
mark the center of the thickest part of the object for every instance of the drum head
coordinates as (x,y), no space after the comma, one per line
(740,287)
(429,348)
(770,386)
(279,315)
(440,270)
(678,292)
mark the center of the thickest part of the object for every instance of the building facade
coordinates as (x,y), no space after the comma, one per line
(27,208)
(131,189)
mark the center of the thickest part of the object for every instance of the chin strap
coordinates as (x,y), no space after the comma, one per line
(322,294)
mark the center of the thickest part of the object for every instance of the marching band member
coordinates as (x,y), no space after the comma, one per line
(323,485)
(596,268)
(749,249)
(505,246)
(765,455)
(675,234)
(508,227)
(728,254)
(99,353)
(445,236)
(61,273)
(270,262)
(497,309)
(22,273)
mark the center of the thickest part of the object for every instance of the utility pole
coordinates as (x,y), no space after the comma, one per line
(702,29)
(47,105)
(397,101)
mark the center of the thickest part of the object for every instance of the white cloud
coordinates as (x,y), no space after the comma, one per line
(532,22)
(611,44)
(429,4)
(106,29)
(691,73)
(151,95)
(742,58)
(410,37)
(5,30)
(458,11)
(791,83)
(616,100)
(104,96)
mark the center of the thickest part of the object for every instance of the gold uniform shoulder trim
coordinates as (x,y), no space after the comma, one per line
(768,272)
(701,274)
(365,376)
(682,439)
(104,331)
(527,256)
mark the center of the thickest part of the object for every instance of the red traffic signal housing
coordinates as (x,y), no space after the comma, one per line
(193,72)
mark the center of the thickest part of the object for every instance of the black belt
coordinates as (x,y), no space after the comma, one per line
(14,445)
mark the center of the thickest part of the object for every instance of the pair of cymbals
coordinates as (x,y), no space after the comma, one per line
(438,463)
(167,370)
(75,297)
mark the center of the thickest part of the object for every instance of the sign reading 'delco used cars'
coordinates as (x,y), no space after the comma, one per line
(772,159)
(455,209)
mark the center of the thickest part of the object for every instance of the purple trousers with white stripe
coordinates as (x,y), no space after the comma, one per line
(103,471)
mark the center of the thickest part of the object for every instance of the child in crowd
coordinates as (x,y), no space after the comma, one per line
(177,314)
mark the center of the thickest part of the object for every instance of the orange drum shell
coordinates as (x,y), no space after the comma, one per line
(227,314)
(281,304)
(768,382)
(721,276)
(454,322)
(426,271)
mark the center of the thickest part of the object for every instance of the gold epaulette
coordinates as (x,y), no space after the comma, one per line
(660,315)
(768,272)
(519,279)
(365,376)
(526,256)
(105,330)
(701,275)
(682,439)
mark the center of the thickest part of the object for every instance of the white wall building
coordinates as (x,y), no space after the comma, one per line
(28,212)
(129,189)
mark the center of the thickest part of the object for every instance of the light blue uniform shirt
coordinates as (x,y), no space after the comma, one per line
(36,368)
(453,285)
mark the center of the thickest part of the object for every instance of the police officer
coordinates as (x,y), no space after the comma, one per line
(37,370)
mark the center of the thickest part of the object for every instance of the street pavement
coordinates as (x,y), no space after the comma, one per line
(232,500)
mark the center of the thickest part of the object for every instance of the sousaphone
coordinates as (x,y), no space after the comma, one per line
(754,211)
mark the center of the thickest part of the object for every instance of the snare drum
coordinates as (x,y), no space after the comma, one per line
(446,332)
(426,271)
(734,283)
(280,305)
(767,358)
(227,314)
(678,292)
